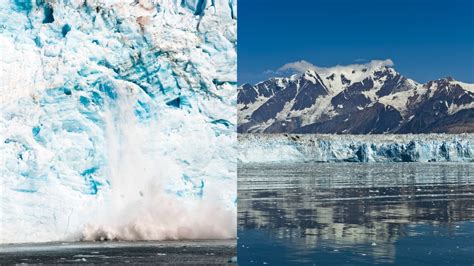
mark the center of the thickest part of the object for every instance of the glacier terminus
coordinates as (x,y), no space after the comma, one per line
(117,119)
(327,148)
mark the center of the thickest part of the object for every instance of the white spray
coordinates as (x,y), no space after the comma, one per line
(144,162)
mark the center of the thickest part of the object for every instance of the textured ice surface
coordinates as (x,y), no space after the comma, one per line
(258,148)
(117,119)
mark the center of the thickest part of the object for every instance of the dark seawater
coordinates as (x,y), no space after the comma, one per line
(140,252)
(356,214)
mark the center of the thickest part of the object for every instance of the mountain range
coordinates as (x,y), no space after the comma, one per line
(356,99)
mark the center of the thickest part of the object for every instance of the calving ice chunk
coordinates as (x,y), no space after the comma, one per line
(117,119)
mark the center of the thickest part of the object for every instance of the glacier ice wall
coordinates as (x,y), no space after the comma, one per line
(117,119)
(268,148)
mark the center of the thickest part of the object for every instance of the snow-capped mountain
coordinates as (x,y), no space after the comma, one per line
(357,99)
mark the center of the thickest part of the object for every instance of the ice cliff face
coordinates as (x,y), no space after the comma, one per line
(268,148)
(117,119)
(356,99)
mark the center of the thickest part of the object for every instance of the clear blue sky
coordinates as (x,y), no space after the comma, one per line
(426,39)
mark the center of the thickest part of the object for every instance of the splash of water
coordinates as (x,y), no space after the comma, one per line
(148,200)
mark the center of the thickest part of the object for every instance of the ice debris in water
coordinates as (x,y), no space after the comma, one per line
(117,119)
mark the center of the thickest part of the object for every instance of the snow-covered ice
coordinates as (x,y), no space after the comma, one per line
(117,119)
(275,148)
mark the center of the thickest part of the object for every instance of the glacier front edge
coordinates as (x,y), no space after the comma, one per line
(117,120)
(268,148)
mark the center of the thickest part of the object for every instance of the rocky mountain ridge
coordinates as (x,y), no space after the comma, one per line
(358,99)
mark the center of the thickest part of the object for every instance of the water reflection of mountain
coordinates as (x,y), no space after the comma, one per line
(332,207)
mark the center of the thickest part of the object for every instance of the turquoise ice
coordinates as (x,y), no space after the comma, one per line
(115,113)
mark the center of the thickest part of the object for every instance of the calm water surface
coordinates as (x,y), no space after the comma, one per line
(356,214)
(119,253)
